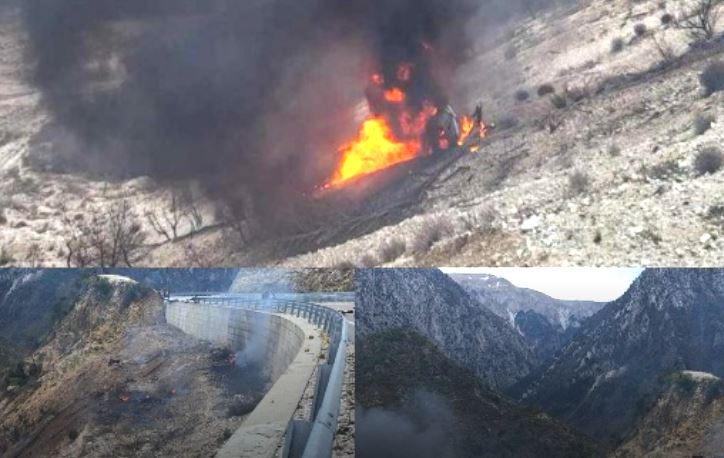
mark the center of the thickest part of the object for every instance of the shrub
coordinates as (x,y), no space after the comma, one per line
(614,150)
(578,182)
(72,435)
(521,95)
(432,231)
(684,383)
(545,89)
(664,170)
(392,249)
(712,78)
(105,288)
(708,160)
(559,101)
(368,261)
(480,219)
(616,45)
(702,123)
(666,19)
(344,265)
(714,391)
(640,29)
(5,257)
(715,214)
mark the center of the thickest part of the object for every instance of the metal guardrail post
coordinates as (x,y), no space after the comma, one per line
(321,437)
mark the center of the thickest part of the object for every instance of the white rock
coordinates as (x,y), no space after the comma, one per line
(530,223)
(705,238)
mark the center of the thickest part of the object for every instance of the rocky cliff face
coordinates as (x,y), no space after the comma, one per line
(546,323)
(669,320)
(687,419)
(432,304)
(413,401)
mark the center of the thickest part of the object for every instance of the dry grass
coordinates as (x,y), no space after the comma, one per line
(432,230)
(392,250)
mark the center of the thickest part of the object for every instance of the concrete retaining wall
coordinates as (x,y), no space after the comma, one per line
(261,337)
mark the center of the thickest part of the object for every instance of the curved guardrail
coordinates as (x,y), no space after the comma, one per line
(303,439)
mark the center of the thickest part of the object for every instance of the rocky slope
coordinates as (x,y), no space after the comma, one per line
(414,402)
(432,304)
(669,320)
(545,322)
(687,419)
(114,380)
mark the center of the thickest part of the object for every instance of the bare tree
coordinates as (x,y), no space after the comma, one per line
(665,50)
(700,23)
(34,256)
(109,239)
(167,223)
(182,206)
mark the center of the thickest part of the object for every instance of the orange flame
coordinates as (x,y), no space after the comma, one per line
(466,128)
(374,149)
(394,95)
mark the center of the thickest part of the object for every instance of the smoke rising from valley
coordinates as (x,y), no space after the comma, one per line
(251,99)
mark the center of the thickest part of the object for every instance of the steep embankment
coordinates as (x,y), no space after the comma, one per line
(669,320)
(415,402)
(114,379)
(432,304)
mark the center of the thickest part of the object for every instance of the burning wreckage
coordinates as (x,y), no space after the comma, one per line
(399,127)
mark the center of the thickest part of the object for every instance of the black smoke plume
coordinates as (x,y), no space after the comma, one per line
(250,98)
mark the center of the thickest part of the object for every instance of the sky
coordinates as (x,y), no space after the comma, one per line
(571,283)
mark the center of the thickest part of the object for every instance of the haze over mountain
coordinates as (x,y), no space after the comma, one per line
(669,320)
(415,402)
(546,323)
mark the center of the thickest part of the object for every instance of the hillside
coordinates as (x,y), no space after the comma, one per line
(669,320)
(114,379)
(433,305)
(415,402)
(687,419)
